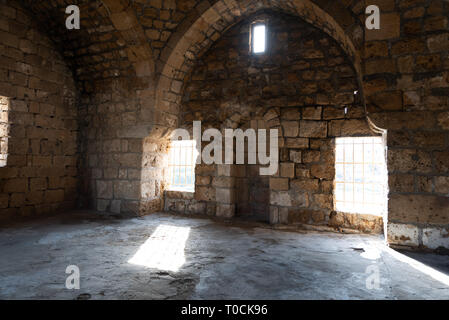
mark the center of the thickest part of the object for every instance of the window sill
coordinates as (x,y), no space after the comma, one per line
(364,214)
(177,193)
(175,189)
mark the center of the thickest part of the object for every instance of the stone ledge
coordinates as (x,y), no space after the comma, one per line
(178,194)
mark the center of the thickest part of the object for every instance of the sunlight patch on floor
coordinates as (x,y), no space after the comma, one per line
(435,274)
(164,249)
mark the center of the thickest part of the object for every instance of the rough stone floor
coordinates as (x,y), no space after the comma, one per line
(222,261)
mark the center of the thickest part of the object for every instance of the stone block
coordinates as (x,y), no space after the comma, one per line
(225,195)
(297,143)
(310,156)
(305,184)
(280,184)
(225,210)
(280,198)
(299,215)
(104,189)
(129,190)
(274,215)
(53,196)
(390,27)
(287,169)
(295,156)
(435,237)
(324,201)
(402,234)
(196,207)
(205,193)
(290,114)
(202,180)
(102,205)
(312,129)
(291,128)
(442,185)
(417,208)
(15,185)
(223,182)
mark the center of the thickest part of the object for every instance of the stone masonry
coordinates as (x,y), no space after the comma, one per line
(86,114)
(38,99)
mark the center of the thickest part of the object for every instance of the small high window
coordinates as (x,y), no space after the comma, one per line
(182,159)
(4,106)
(361,178)
(258,38)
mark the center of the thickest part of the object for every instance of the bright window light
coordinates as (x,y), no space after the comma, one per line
(164,250)
(259,38)
(4,126)
(182,161)
(361,178)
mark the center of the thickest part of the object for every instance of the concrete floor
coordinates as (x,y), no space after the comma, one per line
(222,261)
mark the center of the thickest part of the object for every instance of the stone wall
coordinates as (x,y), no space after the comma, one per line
(131,58)
(303,87)
(406,80)
(38,101)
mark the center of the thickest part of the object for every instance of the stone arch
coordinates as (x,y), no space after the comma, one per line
(110,44)
(209,22)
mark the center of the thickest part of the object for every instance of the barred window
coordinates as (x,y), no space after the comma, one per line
(3,131)
(361,178)
(182,165)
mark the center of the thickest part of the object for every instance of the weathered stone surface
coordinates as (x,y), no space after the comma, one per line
(38,120)
(312,113)
(287,169)
(225,210)
(224,195)
(104,189)
(299,215)
(322,171)
(280,198)
(442,185)
(196,207)
(205,193)
(305,185)
(70,142)
(390,28)
(352,127)
(324,201)
(402,234)
(295,156)
(127,189)
(291,128)
(435,237)
(363,222)
(279,184)
(418,209)
(179,195)
(223,182)
(313,129)
(297,143)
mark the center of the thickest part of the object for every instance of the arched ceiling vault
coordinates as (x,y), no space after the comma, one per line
(208,22)
(158,39)
(111,42)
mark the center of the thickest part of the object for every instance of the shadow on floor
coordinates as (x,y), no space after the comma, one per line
(438,262)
